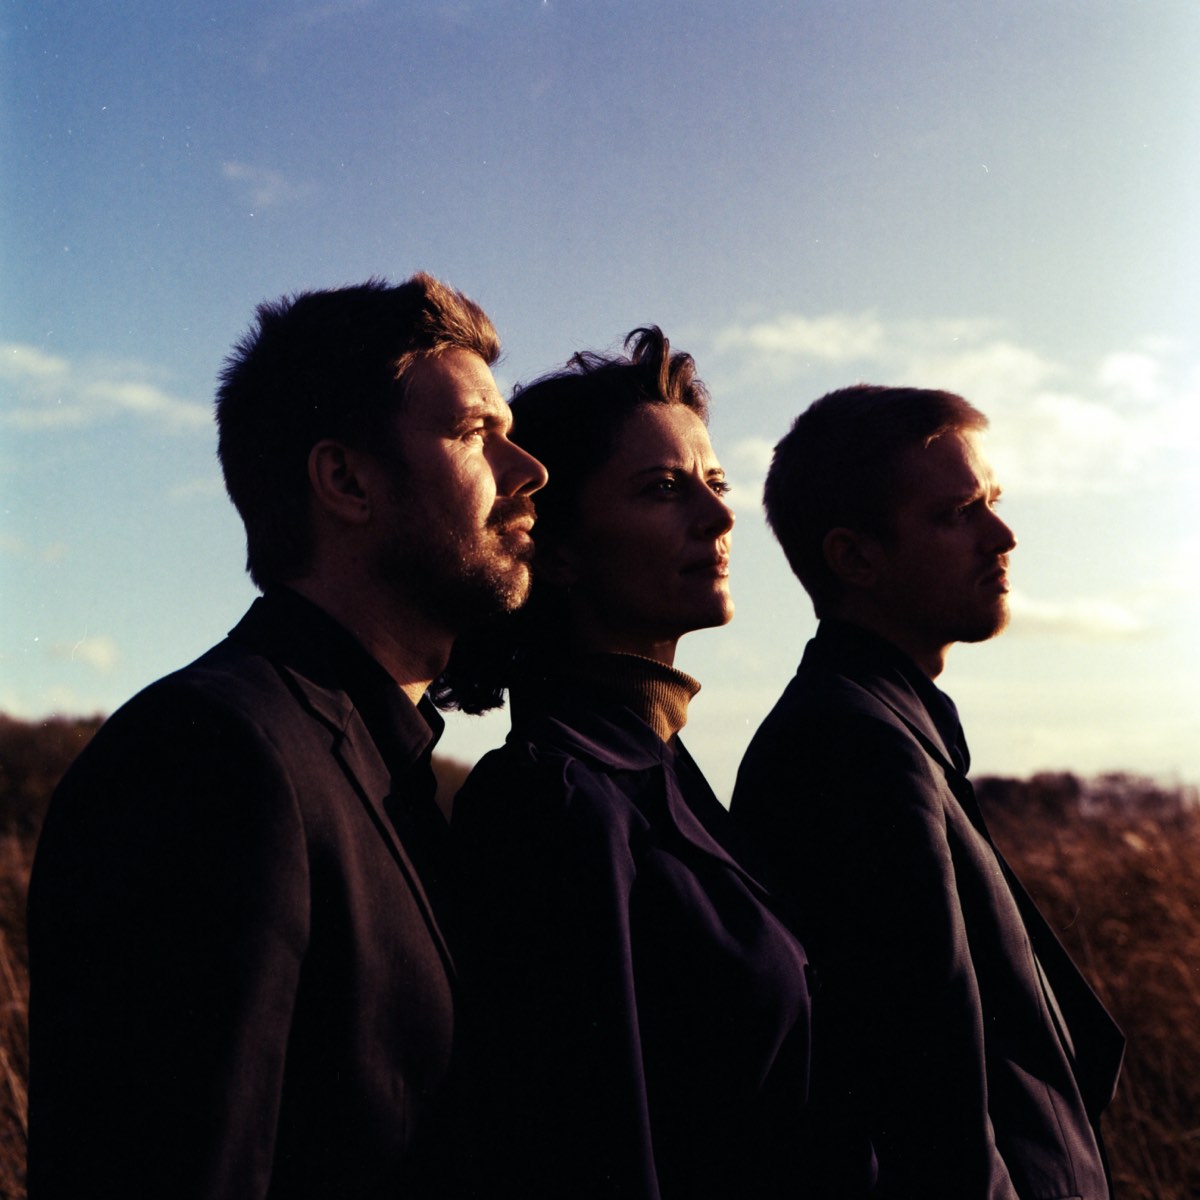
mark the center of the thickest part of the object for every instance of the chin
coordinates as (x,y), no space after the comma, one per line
(985,630)
(714,617)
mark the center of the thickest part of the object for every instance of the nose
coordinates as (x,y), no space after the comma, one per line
(518,473)
(1003,539)
(716,517)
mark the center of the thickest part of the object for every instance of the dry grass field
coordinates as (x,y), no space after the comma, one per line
(1116,868)
(1113,862)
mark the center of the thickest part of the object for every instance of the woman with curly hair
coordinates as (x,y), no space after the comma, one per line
(643,1008)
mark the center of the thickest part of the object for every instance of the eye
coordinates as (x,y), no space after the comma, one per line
(667,485)
(475,434)
(720,487)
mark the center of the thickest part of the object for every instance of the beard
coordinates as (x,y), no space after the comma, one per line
(461,577)
(987,626)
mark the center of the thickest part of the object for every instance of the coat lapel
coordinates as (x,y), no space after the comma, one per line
(1064,986)
(616,741)
(359,758)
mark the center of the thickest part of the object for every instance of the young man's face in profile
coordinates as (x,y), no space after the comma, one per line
(943,572)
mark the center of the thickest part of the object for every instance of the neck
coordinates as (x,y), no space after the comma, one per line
(589,637)
(408,645)
(930,657)
(657,692)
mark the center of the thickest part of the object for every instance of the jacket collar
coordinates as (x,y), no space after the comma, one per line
(881,668)
(583,720)
(297,634)
(587,724)
(380,739)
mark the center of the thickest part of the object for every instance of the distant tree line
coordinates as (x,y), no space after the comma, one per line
(34,754)
(1060,794)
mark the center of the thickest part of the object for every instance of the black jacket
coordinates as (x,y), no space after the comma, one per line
(981,1057)
(240,987)
(646,1013)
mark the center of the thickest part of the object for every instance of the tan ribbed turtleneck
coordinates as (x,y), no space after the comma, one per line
(657,693)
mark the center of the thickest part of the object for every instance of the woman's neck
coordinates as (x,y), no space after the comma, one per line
(656,691)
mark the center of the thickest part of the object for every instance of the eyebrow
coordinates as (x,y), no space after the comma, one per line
(677,469)
(494,414)
(963,496)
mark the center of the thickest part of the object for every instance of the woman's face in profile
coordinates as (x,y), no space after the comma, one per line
(648,559)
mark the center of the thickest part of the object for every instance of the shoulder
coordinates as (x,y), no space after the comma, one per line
(832,751)
(182,776)
(223,741)
(826,714)
(229,699)
(544,777)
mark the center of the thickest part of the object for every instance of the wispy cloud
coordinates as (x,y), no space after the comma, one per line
(19,548)
(1057,427)
(263,187)
(17,360)
(1089,618)
(836,338)
(98,651)
(751,454)
(43,391)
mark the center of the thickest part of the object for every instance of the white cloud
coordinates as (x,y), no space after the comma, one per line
(836,338)
(99,652)
(43,391)
(264,187)
(18,361)
(752,454)
(1131,373)
(147,400)
(1056,427)
(1086,617)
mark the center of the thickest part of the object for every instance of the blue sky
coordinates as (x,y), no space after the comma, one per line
(997,198)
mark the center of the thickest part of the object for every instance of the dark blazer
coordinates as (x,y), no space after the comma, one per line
(980,1056)
(645,1013)
(239,986)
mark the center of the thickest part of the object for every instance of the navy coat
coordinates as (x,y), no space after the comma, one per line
(645,1011)
(240,987)
(980,1056)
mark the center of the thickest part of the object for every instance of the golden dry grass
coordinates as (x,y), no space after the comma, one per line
(15,858)
(1123,890)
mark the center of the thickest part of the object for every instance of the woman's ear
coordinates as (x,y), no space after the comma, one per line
(336,476)
(853,557)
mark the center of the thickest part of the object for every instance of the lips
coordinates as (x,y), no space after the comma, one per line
(517,537)
(997,578)
(716,565)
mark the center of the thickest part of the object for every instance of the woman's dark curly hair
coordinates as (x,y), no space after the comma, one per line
(571,420)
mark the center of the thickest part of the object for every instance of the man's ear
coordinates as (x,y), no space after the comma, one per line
(340,487)
(852,556)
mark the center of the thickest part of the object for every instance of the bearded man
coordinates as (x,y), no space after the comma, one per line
(242,984)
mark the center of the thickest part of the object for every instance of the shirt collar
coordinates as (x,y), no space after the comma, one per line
(288,627)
